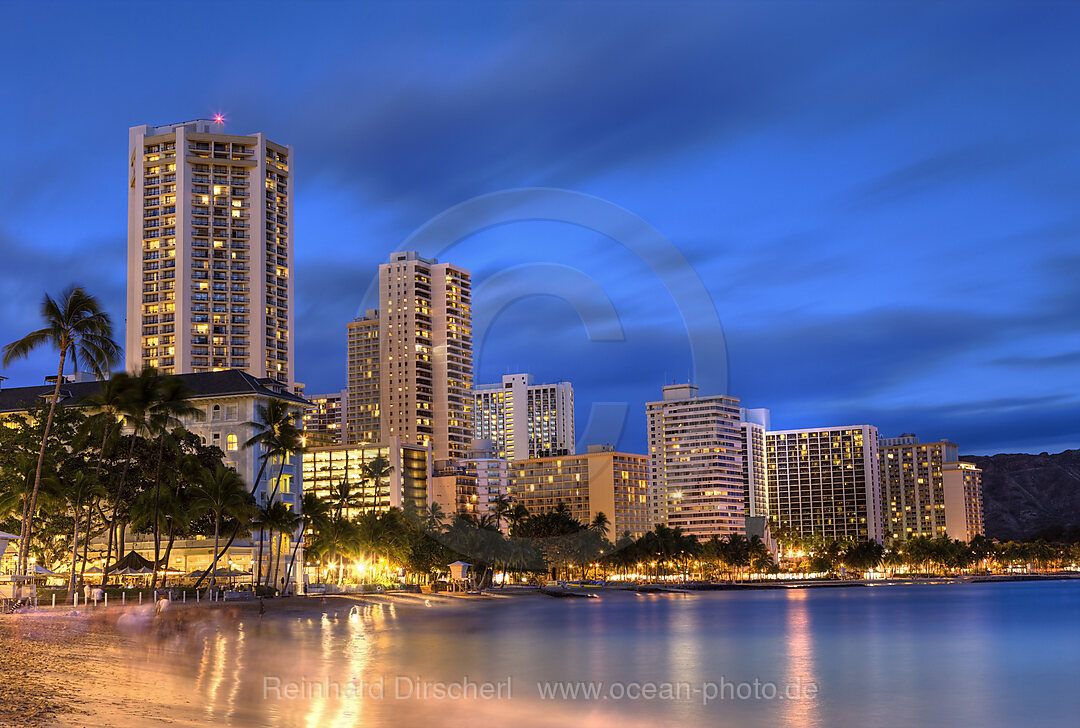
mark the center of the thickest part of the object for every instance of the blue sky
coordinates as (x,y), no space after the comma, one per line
(880,199)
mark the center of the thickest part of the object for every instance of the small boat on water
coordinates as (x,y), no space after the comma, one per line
(563,594)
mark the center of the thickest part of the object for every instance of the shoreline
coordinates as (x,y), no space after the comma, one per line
(61,668)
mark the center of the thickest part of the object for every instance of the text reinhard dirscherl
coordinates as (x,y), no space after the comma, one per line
(409,687)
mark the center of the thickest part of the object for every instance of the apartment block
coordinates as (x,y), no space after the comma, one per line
(927,491)
(754,423)
(962,483)
(696,479)
(327,468)
(423,330)
(454,487)
(825,482)
(523,419)
(362,413)
(492,475)
(210,252)
(600,481)
(324,422)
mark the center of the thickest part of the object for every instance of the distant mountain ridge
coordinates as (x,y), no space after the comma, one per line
(1025,493)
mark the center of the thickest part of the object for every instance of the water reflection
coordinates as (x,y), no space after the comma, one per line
(889,657)
(800,657)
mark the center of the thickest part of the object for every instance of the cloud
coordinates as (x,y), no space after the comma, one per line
(1070,358)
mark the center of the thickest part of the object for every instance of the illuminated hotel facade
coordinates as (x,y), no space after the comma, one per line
(754,423)
(600,481)
(696,477)
(210,252)
(326,468)
(525,420)
(324,422)
(825,482)
(928,491)
(362,394)
(423,330)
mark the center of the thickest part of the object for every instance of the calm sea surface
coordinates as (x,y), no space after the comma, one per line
(930,655)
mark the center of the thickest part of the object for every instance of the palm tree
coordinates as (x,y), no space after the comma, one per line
(79,494)
(376,470)
(434,517)
(516,516)
(275,518)
(78,328)
(223,493)
(339,538)
(171,402)
(135,407)
(600,524)
(314,515)
(500,505)
(276,433)
(345,498)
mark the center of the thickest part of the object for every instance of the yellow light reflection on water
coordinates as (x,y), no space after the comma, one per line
(800,658)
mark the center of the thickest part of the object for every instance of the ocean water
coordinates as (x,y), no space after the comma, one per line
(1004,654)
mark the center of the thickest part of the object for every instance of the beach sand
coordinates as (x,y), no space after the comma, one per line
(64,670)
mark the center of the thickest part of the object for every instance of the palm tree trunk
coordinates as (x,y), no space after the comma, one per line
(168,552)
(90,506)
(277,483)
(116,510)
(259,578)
(28,512)
(292,558)
(74,556)
(157,500)
(217,531)
(226,547)
(276,561)
(86,541)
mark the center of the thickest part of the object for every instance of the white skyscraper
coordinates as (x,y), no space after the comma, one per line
(695,462)
(525,420)
(754,423)
(422,333)
(210,251)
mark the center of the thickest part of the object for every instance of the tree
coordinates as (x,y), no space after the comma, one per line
(223,494)
(78,328)
(79,494)
(600,524)
(277,436)
(376,471)
(863,556)
(515,517)
(171,402)
(276,433)
(336,540)
(314,515)
(136,401)
(500,505)
(277,518)
(345,498)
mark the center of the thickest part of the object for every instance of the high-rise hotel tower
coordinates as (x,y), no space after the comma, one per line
(210,251)
(523,419)
(696,462)
(423,330)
